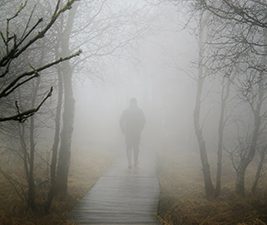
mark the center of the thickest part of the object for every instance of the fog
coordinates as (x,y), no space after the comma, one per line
(157,69)
(86,86)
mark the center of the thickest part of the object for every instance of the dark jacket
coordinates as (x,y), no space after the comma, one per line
(132,121)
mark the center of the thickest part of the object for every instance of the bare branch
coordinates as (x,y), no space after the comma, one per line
(15,83)
(23,116)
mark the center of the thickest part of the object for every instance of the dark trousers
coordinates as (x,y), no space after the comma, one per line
(132,147)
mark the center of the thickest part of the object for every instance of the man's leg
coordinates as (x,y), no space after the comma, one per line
(136,154)
(128,150)
(129,155)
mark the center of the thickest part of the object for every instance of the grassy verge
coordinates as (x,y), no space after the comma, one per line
(182,201)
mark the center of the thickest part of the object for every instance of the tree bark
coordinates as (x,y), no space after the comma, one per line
(31,183)
(224,96)
(259,169)
(245,161)
(68,111)
(31,160)
(240,181)
(56,142)
(209,188)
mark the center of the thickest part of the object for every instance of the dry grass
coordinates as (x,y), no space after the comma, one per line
(86,167)
(182,201)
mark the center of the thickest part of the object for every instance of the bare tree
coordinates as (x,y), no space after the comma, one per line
(13,48)
(238,41)
(16,48)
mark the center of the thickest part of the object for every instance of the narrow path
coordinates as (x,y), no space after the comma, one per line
(122,196)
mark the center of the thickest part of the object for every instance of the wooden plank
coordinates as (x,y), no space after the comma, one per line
(122,196)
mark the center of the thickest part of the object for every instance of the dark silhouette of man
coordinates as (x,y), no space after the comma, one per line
(132,122)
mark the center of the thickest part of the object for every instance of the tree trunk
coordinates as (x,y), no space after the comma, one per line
(66,134)
(240,181)
(209,188)
(245,161)
(259,169)
(31,180)
(54,158)
(31,183)
(68,113)
(224,96)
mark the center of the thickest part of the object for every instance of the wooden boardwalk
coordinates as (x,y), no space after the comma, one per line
(122,196)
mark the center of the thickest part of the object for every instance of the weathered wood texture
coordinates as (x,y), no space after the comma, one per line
(122,196)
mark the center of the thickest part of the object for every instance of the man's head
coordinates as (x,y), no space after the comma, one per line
(133,102)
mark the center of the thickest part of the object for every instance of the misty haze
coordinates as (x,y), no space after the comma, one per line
(133,112)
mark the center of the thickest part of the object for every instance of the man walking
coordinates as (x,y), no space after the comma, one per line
(132,122)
